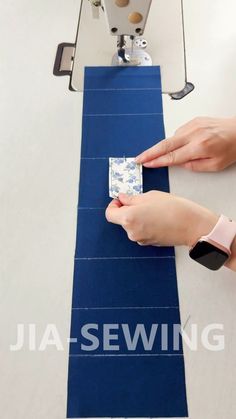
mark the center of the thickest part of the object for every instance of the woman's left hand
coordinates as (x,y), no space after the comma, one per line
(159,218)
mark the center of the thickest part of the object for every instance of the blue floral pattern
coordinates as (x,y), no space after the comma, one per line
(125,176)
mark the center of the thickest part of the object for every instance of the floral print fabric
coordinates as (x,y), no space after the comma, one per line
(125,176)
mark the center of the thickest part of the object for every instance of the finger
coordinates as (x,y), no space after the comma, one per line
(162,148)
(114,213)
(128,200)
(115,203)
(173,158)
(200,165)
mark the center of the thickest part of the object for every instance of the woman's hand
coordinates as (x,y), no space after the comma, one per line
(202,145)
(159,218)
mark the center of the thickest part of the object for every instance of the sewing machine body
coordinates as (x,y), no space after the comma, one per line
(105,32)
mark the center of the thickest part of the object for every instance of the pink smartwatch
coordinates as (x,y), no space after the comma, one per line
(213,250)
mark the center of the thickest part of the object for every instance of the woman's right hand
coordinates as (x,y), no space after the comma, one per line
(201,145)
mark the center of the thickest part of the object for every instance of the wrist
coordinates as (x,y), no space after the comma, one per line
(200,224)
(231,263)
(232,149)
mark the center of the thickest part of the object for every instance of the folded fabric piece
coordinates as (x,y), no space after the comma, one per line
(125,176)
(122,361)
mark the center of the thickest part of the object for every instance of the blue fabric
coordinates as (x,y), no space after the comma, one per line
(149,290)
(111,130)
(116,281)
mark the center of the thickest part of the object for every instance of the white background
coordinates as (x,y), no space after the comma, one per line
(40,126)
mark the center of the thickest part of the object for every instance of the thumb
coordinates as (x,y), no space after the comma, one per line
(129,199)
(113,212)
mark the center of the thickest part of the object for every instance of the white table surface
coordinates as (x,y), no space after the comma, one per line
(40,127)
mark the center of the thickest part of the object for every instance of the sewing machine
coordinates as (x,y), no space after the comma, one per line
(128,33)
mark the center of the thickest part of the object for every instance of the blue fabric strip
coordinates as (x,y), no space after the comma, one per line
(130,317)
(121,102)
(117,283)
(149,386)
(150,290)
(112,78)
(111,129)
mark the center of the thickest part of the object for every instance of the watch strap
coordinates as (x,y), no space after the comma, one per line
(223,233)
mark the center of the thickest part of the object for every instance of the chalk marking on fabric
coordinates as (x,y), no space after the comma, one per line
(122,114)
(124,355)
(125,308)
(91,208)
(122,89)
(125,257)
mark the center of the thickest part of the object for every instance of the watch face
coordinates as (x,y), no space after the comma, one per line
(208,255)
